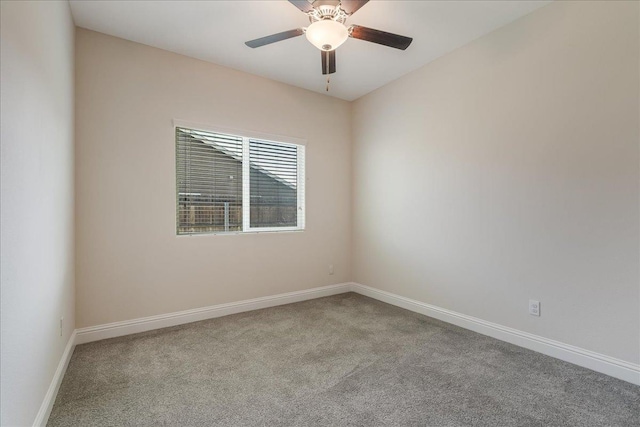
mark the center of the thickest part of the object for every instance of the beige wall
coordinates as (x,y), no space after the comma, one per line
(130,263)
(37,233)
(508,170)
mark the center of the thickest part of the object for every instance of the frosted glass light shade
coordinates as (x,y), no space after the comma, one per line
(327,34)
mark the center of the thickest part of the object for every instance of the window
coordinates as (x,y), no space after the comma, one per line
(231,183)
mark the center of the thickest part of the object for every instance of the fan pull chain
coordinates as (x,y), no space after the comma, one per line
(327,68)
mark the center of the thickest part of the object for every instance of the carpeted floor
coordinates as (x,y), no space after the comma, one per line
(345,360)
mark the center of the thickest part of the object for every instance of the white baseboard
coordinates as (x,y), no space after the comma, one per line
(588,359)
(47,404)
(598,362)
(127,327)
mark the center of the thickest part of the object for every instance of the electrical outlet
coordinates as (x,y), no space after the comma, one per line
(61,319)
(534,307)
(330,269)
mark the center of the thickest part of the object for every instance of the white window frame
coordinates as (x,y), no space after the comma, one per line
(246,136)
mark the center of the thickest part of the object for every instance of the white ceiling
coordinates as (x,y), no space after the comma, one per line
(215,31)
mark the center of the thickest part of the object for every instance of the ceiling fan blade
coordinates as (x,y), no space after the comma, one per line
(352,6)
(303,5)
(328,61)
(275,38)
(380,37)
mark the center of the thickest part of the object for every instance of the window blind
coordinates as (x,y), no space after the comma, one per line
(273,184)
(209,182)
(229,183)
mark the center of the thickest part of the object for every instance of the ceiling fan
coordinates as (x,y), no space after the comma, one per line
(328,31)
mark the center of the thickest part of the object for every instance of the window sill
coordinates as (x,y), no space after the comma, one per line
(236,233)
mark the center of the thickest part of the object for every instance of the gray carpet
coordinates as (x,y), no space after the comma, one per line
(345,360)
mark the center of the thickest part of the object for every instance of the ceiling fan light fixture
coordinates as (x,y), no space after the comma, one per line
(327,34)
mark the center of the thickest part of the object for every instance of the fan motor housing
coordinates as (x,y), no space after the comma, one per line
(327,9)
